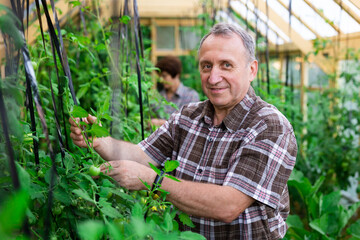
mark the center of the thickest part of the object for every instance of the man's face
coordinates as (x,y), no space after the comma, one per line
(225,70)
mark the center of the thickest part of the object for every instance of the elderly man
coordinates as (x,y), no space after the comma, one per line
(236,152)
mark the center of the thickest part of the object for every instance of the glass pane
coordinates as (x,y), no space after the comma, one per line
(295,23)
(165,37)
(295,71)
(317,78)
(189,38)
(248,13)
(308,15)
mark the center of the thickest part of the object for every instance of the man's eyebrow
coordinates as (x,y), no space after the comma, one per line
(204,61)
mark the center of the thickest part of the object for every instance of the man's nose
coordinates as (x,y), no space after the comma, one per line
(215,76)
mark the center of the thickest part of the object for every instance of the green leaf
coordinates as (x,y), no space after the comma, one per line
(317,185)
(79,112)
(185,219)
(171,165)
(125,19)
(188,235)
(110,211)
(346,214)
(301,183)
(136,211)
(62,196)
(146,184)
(158,172)
(24,177)
(105,105)
(83,90)
(107,117)
(68,162)
(91,230)
(114,232)
(90,179)
(99,131)
(354,229)
(36,191)
(330,202)
(107,183)
(294,221)
(83,194)
(321,224)
(121,194)
(139,227)
(75,3)
(167,225)
(13,211)
(172,178)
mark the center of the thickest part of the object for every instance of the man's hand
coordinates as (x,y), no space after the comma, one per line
(76,135)
(128,174)
(157,122)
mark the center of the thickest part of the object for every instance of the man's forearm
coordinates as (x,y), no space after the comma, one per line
(111,149)
(222,203)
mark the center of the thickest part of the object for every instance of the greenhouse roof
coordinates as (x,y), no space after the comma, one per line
(311,19)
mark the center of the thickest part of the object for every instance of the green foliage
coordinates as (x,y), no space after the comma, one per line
(324,203)
(323,216)
(106,87)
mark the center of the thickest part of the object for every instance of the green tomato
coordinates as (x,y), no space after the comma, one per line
(94,171)
(57,210)
(34,64)
(109,195)
(40,174)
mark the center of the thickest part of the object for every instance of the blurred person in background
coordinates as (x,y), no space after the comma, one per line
(172,89)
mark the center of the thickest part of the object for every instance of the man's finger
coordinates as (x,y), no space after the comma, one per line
(91,119)
(75,130)
(76,137)
(72,121)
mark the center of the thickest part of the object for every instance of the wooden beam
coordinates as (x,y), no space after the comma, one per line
(328,21)
(304,45)
(356,3)
(304,82)
(300,20)
(252,24)
(343,42)
(348,10)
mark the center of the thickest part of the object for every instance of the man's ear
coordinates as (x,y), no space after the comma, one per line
(253,69)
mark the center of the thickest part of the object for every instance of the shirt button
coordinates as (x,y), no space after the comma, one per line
(211,139)
(200,170)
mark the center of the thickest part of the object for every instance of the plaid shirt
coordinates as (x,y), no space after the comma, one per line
(182,96)
(253,150)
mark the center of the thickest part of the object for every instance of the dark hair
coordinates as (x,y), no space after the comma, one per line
(169,64)
(227,29)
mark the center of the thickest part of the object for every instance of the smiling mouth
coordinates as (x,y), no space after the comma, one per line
(217,89)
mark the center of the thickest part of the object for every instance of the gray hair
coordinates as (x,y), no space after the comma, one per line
(227,29)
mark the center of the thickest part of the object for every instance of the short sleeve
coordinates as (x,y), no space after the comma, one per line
(261,167)
(160,144)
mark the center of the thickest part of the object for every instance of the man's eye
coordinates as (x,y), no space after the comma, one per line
(227,65)
(206,67)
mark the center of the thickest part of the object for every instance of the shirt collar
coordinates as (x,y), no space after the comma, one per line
(180,91)
(238,113)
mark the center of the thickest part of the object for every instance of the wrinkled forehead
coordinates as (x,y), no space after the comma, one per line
(228,40)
